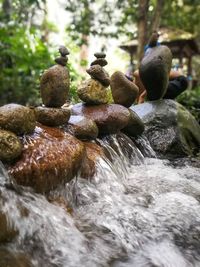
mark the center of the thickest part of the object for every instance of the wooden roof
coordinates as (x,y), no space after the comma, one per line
(180,42)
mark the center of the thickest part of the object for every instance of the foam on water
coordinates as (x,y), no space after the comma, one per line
(142,212)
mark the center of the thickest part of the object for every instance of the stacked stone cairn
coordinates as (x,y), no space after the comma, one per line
(54,88)
(93,91)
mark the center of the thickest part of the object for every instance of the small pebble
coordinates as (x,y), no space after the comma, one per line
(99,61)
(100,55)
(63,51)
(61,60)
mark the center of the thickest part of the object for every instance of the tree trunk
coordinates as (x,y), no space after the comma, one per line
(157,16)
(142,27)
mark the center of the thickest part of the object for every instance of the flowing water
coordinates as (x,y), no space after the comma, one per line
(137,211)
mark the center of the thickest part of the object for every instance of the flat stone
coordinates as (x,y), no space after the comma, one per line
(98,73)
(10,146)
(50,157)
(61,60)
(82,128)
(92,92)
(54,86)
(99,61)
(110,118)
(52,116)
(100,55)
(17,119)
(124,91)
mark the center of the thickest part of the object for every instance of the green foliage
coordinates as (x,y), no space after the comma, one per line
(23,55)
(191,100)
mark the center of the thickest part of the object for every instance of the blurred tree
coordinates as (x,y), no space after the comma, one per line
(22,53)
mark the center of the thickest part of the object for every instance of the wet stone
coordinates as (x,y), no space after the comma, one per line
(135,126)
(82,128)
(52,116)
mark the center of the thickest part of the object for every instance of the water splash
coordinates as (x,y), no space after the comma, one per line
(141,212)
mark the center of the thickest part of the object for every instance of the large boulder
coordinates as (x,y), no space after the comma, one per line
(154,71)
(171,130)
(82,128)
(124,91)
(92,92)
(54,86)
(50,157)
(10,146)
(135,125)
(110,118)
(17,118)
(52,116)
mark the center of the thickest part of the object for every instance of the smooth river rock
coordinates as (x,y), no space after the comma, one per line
(170,128)
(54,86)
(82,128)
(52,116)
(17,118)
(98,73)
(135,126)
(154,71)
(10,146)
(50,157)
(110,118)
(124,91)
(92,92)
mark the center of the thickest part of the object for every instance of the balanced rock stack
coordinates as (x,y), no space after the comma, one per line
(93,91)
(54,87)
(109,118)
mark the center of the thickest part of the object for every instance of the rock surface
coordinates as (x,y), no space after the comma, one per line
(93,153)
(135,126)
(52,116)
(110,118)
(10,146)
(7,230)
(13,259)
(98,73)
(154,71)
(171,130)
(124,91)
(54,86)
(82,128)
(17,118)
(92,92)
(50,157)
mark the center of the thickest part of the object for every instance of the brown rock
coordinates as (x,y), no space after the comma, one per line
(93,153)
(10,146)
(98,73)
(61,60)
(52,116)
(17,118)
(13,259)
(54,86)
(63,51)
(50,157)
(100,61)
(154,71)
(135,126)
(92,92)
(82,128)
(124,91)
(109,118)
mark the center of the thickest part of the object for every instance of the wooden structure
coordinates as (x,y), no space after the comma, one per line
(181,43)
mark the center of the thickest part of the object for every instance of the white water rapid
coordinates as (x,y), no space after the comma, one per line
(136,212)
